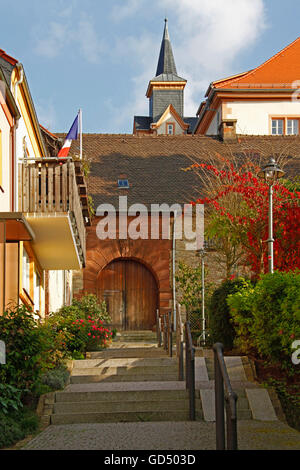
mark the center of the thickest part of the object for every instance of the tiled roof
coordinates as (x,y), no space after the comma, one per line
(153,164)
(285,66)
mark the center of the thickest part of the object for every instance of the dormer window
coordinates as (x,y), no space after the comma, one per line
(170,128)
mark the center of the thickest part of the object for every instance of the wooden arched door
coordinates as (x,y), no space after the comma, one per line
(131,294)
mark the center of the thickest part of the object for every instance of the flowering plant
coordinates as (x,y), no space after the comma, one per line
(92,332)
(81,326)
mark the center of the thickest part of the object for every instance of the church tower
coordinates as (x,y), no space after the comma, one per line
(166,97)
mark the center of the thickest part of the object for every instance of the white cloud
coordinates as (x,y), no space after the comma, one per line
(207,37)
(46,114)
(51,45)
(125,10)
(67,30)
(90,45)
(212,35)
(141,53)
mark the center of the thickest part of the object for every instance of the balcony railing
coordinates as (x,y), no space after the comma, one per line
(50,187)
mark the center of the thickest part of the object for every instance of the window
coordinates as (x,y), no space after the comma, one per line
(277,126)
(285,126)
(26,271)
(123,183)
(170,129)
(292,127)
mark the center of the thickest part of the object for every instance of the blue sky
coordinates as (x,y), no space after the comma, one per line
(99,55)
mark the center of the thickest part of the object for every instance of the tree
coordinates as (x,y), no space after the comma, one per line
(237,203)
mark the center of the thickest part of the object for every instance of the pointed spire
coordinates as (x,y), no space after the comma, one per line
(166,62)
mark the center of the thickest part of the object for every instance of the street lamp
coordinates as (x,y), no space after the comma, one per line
(271,173)
(208,246)
(202,253)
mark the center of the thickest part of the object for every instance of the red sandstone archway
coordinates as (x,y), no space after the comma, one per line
(131,293)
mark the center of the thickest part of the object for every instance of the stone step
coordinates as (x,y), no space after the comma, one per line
(135,352)
(138,339)
(122,417)
(126,370)
(126,406)
(136,334)
(124,362)
(81,379)
(115,396)
(137,396)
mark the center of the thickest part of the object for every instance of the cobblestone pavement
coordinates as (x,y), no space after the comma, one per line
(252,435)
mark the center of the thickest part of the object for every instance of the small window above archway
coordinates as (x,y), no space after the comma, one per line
(123,183)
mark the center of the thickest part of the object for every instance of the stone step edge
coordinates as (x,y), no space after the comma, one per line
(112,379)
(123,417)
(120,371)
(182,405)
(140,398)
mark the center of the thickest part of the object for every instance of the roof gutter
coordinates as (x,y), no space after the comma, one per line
(35,120)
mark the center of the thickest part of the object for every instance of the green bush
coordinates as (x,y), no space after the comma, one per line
(267,317)
(80,326)
(221,329)
(16,426)
(10,399)
(56,379)
(87,306)
(27,351)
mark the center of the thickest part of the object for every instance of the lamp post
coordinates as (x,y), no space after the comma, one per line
(202,254)
(271,173)
(208,246)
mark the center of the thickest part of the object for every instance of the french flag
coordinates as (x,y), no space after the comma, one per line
(73,135)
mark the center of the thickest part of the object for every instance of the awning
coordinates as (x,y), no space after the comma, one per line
(16,227)
(54,243)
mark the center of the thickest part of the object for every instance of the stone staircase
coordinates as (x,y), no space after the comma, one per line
(135,381)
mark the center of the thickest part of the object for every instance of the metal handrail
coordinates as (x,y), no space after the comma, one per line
(161,331)
(158,329)
(179,342)
(164,331)
(229,397)
(170,334)
(190,370)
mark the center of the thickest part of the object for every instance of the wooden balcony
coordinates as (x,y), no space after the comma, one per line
(48,195)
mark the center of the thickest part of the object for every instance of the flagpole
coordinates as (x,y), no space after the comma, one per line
(80,130)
